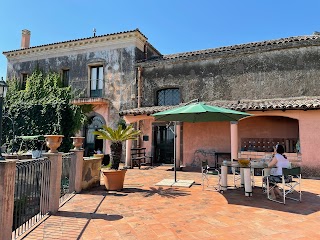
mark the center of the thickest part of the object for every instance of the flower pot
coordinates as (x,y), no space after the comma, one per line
(114,179)
(53,142)
(77,142)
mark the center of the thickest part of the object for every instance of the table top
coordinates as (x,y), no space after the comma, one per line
(253,164)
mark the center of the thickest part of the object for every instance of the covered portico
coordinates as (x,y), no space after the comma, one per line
(288,119)
(145,120)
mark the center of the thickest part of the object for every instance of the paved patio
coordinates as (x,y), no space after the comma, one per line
(145,211)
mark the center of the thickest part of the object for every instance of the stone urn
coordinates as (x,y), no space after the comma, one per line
(77,142)
(53,142)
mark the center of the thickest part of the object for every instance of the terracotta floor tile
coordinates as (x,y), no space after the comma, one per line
(143,211)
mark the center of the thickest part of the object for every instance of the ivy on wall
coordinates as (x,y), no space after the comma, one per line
(44,107)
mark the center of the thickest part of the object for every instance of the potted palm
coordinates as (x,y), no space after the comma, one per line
(113,176)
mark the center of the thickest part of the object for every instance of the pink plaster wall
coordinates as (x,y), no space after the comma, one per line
(103,110)
(146,129)
(208,136)
(309,135)
(268,127)
(216,135)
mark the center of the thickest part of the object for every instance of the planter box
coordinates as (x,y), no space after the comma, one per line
(91,172)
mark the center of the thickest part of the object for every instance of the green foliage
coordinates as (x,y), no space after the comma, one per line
(44,107)
(117,136)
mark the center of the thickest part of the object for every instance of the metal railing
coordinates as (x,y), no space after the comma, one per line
(85,85)
(31,196)
(67,173)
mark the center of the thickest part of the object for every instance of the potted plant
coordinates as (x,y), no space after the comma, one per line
(113,177)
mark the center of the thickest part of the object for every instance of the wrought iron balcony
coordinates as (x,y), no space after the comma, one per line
(95,95)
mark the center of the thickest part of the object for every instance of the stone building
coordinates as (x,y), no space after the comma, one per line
(122,73)
(277,81)
(101,67)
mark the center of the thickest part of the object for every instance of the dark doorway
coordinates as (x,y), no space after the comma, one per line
(92,143)
(98,144)
(163,143)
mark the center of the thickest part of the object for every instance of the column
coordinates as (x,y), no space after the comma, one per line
(7,183)
(178,143)
(235,147)
(234,140)
(55,180)
(77,164)
(128,153)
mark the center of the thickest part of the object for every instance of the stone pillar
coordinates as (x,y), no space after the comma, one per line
(178,147)
(128,153)
(55,180)
(77,165)
(234,140)
(7,183)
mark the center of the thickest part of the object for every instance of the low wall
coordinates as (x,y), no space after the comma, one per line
(292,157)
(91,172)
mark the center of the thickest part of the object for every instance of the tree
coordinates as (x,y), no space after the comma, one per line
(43,107)
(117,137)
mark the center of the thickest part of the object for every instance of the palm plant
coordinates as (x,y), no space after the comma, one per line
(117,137)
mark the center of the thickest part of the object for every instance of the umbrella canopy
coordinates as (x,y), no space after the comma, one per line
(200,112)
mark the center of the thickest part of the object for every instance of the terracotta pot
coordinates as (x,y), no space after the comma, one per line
(53,142)
(77,142)
(114,179)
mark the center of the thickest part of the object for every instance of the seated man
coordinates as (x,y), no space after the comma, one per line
(278,162)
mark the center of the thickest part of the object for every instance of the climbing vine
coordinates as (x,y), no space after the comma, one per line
(43,107)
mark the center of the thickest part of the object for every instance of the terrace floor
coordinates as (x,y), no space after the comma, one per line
(145,211)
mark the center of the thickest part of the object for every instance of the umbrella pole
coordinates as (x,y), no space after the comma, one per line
(174,148)
(174,151)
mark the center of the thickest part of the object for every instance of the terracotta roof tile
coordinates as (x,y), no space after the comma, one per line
(236,48)
(293,103)
(105,35)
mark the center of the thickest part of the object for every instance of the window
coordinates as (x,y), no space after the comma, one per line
(96,81)
(169,96)
(65,77)
(24,77)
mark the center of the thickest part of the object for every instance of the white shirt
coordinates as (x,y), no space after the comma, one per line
(282,162)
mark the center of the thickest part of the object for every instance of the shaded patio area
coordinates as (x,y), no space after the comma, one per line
(145,211)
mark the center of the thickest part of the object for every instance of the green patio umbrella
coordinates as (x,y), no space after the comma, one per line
(199,112)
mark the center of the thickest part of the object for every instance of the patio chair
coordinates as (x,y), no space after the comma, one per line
(290,183)
(206,171)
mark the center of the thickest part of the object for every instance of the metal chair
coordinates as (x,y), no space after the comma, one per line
(206,170)
(290,180)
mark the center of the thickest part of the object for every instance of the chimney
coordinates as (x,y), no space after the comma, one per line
(25,40)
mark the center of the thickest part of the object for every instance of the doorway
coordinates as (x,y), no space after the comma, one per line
(92,142)
(163,143)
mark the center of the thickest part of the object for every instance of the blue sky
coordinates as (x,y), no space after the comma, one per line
(171,26)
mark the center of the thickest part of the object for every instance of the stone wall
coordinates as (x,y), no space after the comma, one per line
(244,75)
(119,73)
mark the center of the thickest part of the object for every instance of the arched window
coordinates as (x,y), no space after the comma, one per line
(170,96)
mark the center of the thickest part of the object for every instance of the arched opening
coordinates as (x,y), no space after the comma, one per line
(92,143)
(261,133)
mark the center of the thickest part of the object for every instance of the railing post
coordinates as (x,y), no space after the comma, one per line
(7,183)
(77,165)
(55,180)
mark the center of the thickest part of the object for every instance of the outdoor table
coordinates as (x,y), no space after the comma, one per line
(245,175)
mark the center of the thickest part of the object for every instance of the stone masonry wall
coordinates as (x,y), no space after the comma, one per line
(255,75)
(119,73)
